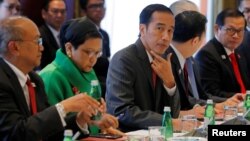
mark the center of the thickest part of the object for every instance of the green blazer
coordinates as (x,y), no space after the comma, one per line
(63,79)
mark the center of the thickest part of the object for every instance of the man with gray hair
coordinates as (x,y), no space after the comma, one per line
(183,5)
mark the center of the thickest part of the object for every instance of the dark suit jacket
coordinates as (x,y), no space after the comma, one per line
(188,101)
(102,64)
(130,95)
(245,49)
(16,122)
(50,46)
(216,70)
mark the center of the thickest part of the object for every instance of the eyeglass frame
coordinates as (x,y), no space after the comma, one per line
(11,6)
(38,41)
(231,31)
(92,53)
(57,11)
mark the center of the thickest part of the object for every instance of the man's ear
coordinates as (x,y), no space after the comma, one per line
(68,48)
(143,29)
(195,40)
(44,14)
(13,47)
(216,28)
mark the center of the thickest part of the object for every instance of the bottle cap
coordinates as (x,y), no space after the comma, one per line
(94,82)
(209,101)
(68,132)
(167,109)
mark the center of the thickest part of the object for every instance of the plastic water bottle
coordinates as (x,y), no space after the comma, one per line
(96,94)
(247,101)
(68,135)
(167,122)
(209,113)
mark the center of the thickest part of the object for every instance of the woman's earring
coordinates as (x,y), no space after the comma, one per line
(69,54)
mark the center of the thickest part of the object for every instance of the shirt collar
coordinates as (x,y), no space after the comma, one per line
(54,32)
(22,78)
(181,59)
(228,51)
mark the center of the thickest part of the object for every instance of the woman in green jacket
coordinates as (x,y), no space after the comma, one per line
(71,72)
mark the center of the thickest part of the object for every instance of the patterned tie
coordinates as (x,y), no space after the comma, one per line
(237,72)
(32,96)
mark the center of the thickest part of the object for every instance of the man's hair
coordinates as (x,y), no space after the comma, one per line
(9,30)
(183,5)
(84,3)
(189,24)
(47,2)
(146,14)
(232,13)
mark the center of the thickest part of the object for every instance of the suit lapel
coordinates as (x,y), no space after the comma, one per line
(17,89)
(143,57)
(222,55)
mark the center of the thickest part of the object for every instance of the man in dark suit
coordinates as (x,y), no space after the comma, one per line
(25,114)
(54,14)
(189,33)
(244,48)
(223,73)
(95,11)
(140,80)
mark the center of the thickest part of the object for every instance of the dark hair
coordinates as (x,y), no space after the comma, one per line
(146,14)
(47,2)
(77,31)
(83,4)
(188,25)
(220,20)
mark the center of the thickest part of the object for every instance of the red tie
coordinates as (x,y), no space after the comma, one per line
(237,72)
(32,96)
(185,73)
(153,78)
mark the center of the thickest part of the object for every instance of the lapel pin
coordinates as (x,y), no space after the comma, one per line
(223,56)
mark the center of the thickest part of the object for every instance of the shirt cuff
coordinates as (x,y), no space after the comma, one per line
(61,112)
(171,91)
(84,128)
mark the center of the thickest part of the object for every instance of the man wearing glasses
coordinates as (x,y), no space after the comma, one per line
(222,67)
(95,11)
(244,7)
(54,14)
(9,8)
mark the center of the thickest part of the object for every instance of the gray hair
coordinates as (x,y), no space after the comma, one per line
(10,31)
(183,5)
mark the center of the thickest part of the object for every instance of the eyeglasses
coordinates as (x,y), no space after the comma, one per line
(57,11)
(39,41)
(96,6)
(13,6)
(246,10)
(92,53)
(231,31)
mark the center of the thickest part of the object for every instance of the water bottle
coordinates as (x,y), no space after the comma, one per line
(68,135)
(247,101)
(167,122)
(209,113)
(96,94)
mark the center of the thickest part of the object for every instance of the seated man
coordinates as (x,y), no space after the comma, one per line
(140,80)
(222,68)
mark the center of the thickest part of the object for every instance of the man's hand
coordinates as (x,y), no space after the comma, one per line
(163,69)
